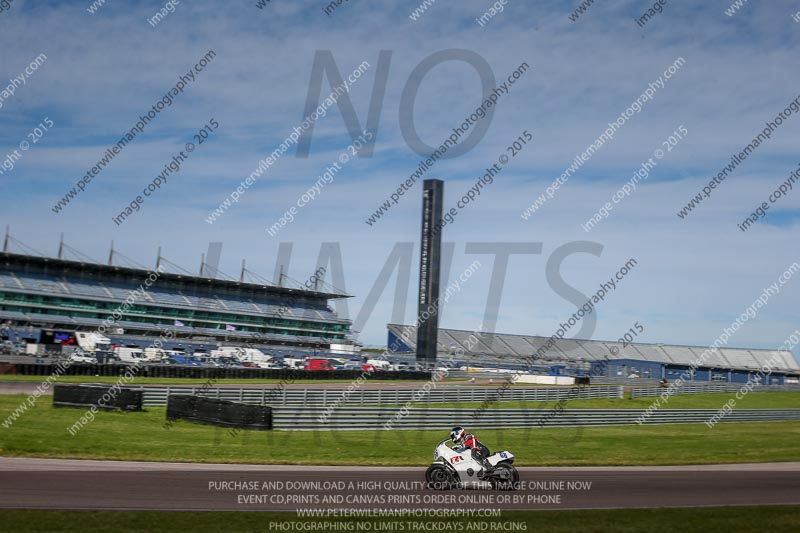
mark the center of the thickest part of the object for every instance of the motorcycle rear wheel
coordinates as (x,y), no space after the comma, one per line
(505,477)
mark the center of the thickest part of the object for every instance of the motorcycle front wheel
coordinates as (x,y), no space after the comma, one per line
(438,477)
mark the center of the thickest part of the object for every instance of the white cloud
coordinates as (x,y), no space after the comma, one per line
(104,70)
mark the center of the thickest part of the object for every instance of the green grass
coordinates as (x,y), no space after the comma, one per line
(754,400)
(775,519)
(140,436)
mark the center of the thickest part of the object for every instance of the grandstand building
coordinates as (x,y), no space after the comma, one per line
(41,294)
(574,356)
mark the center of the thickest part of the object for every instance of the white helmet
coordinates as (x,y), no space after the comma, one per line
(457,434)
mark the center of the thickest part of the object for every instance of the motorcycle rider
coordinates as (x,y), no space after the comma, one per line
(480,451)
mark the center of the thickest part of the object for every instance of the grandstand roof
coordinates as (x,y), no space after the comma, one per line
(504,347)
(87,269)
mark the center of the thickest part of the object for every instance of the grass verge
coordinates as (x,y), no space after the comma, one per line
(141,436)
(754,400)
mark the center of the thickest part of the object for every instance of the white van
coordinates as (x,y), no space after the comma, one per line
(245,355)
(158,355)
(380,364)
(293,362)
(90,341)
(130,355)
(153,354)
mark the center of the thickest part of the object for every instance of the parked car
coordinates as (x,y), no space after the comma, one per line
(317,364)
(273,365)
(185,360)
(106,357)
(225,362)
(82,358)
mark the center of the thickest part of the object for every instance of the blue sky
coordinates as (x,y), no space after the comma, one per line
(694,276)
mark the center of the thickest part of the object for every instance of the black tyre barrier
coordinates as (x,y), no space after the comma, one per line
(582,380)
(219,412)
(106,398)
(196,372)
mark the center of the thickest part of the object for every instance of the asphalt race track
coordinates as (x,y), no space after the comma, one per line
(111,485)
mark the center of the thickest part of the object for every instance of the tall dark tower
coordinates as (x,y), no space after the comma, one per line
(430,257)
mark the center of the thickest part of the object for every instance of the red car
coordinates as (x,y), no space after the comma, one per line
(317,364)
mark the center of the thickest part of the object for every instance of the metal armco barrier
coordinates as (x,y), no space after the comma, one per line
(157,395)
(463,374)
(499,377)
(705,388)
(350,418)
(630,382)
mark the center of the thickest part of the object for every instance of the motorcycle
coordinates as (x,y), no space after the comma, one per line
(456,468)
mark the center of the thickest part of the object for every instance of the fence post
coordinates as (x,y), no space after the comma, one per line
(324,397)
